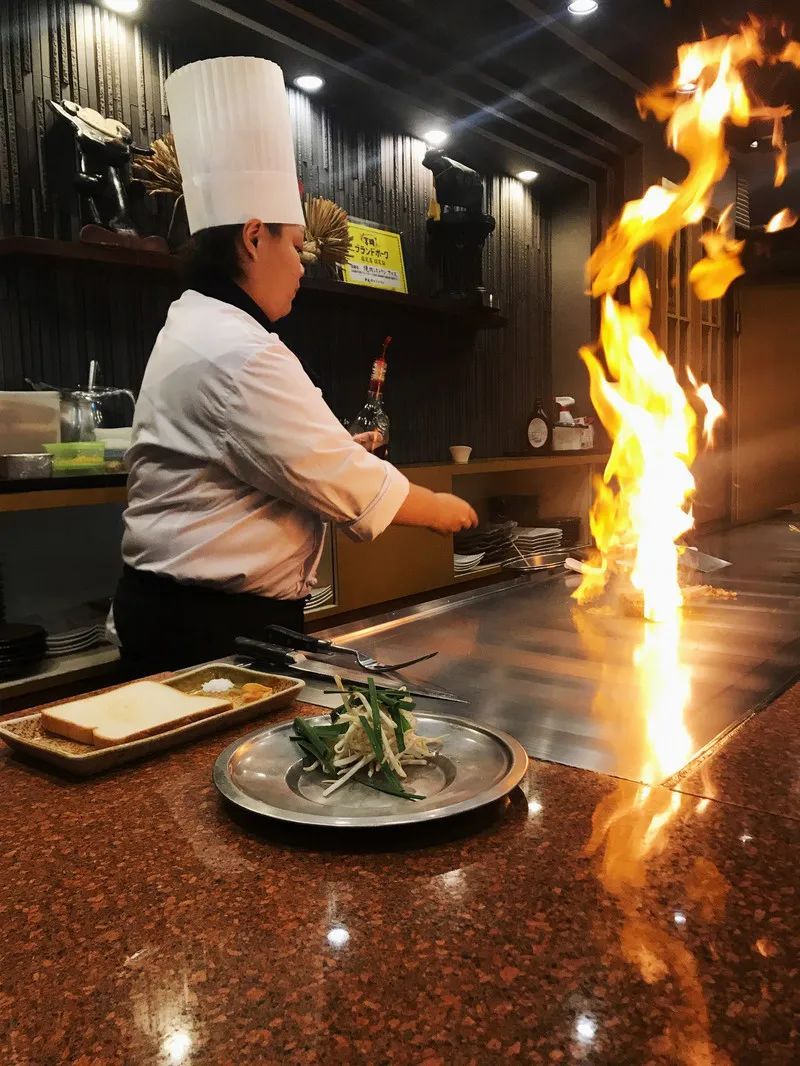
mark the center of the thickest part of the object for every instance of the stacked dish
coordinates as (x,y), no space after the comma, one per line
(22,647)
(536,540)
(320,597)
(465,564)
(495,541)
(80,638)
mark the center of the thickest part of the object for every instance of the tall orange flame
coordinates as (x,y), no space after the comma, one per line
(643,504)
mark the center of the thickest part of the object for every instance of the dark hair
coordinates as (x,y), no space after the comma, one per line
(214,253)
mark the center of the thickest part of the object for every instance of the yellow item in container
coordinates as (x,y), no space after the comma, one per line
(78,457)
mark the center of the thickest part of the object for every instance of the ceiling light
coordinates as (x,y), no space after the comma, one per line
(754,144)
(309,83)
(687,88)
(528,175)
(122,7)
(582,7)
(435,138)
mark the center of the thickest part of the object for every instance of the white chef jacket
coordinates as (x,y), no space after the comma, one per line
(236,460)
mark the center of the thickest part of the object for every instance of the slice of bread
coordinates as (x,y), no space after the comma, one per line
(129,713)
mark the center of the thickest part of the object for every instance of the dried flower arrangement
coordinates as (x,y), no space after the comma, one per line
(327,239)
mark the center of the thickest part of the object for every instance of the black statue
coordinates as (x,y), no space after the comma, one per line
(103,150)
(458,235)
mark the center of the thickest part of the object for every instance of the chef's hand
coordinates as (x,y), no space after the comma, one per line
(452,514)
(438,511)
(371,440)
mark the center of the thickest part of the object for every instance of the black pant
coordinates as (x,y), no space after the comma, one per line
(165,625)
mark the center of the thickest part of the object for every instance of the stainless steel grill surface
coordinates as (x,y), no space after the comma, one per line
(515,651)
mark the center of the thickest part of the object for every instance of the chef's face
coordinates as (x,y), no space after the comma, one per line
(272,266)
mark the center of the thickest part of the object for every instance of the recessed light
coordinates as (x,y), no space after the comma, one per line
(687,88)
(309,83)
(435,138)
(528,175)
(122,7)
(582,7)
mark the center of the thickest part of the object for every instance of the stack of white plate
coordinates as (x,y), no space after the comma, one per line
(320,597)
(537,540)
(73,628)
(465,564)
(496,541)
(74,640)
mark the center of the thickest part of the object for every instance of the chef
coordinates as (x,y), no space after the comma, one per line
(236,460)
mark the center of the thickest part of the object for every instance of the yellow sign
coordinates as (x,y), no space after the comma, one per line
(376,258)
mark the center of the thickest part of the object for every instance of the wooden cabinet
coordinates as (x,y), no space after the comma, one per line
(407,562)
(767,390)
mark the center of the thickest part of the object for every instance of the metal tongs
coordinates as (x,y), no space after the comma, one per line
(271,656)
(288,638)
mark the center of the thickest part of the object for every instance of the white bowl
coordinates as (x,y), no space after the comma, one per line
(460,453)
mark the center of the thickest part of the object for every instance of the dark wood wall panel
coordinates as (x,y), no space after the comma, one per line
(67,49)
(54,320)
(446,385)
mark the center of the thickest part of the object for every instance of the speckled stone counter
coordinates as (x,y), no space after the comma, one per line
(758,765)
(585,919)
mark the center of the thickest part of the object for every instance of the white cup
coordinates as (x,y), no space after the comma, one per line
(460,453)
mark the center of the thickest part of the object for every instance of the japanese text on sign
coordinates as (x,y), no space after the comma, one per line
(376,258)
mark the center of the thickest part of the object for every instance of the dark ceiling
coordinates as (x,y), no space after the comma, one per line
(520,84)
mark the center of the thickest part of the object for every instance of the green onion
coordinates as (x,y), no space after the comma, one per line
(382,786)
(309,734)
(376,719)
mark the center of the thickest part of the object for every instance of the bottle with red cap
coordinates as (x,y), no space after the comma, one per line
(371,424)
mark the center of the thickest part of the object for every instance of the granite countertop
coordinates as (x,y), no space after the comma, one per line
(584,919)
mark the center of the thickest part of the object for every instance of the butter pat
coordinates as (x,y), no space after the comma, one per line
(218,684)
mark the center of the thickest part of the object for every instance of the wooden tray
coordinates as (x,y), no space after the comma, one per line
(27,736)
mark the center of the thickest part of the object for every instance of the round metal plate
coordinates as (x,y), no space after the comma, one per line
(263,773)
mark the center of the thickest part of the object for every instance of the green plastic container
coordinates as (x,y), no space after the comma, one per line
(80,457)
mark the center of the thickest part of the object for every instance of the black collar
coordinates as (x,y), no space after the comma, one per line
(230,293)
(221,288)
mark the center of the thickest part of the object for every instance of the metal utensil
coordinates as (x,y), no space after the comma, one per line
(529,564)
(692,559)
(289,638)
(476,765)
(271,657)
(553,560)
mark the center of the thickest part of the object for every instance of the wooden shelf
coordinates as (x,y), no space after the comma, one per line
(60,671)
(76,491)
(507,464)
(468,315)
(46,493)
(78,253)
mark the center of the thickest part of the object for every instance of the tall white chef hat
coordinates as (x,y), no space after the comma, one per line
(233,136)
